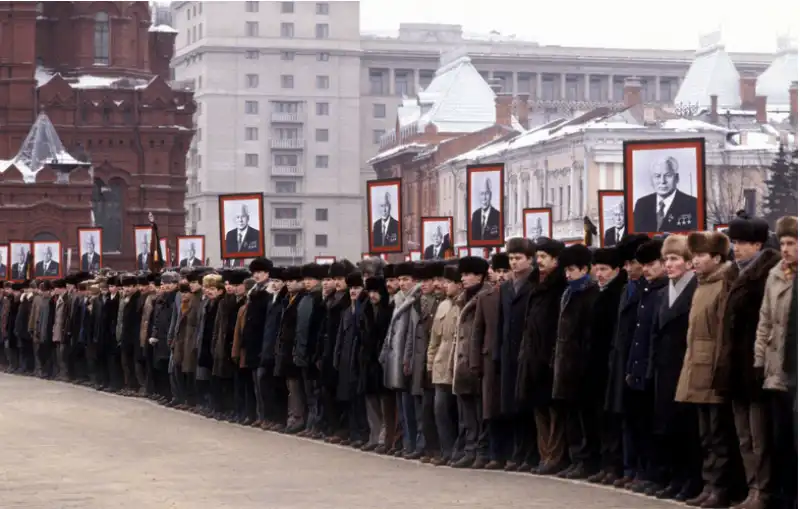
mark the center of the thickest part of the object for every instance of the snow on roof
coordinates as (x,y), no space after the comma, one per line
(396,150)
(712,73)
(685,124)
(43,75)
(162,28)
(774,82)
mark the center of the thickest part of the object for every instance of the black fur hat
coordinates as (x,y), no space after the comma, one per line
(143,279)
(237,277)
(278,273)
(521,245)
(423,270)
(128,280)
(261,265)
(436,268)
(748,230)
(649,251)
(337,269)
(577,255)
(451,273)
(113,281)
(194,276)
(500,261)
(607,256)
(388,271)
(473,265)
(354,279)
(375,284)
(293,273)
(629,244)
(60,283)
(314,271)
(403,269)
(550,246)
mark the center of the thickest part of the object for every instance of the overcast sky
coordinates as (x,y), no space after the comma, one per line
(747,25)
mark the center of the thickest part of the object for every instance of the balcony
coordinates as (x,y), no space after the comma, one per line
(287,224)
(288,143)
(297,117)
(287,171)
(286,252)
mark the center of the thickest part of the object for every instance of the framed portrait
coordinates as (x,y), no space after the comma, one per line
(437,235)
(47,259)
(191,250)
(485,205)
(537,222)
(463,251)
(165,251)
(324,260)
(611,211)
(19,251)
(415,255)
(241,223)
(721,227)
(384,210)
(90,248)
(141,239)
(665,185)
(5,268)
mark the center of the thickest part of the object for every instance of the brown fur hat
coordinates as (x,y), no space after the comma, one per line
(521,245)
(786,227)
(713,243)
(676,245)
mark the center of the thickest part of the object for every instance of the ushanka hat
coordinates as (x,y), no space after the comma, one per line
(678,245)
(629,244)
(293,273)
(60,283)
(786,227)
(127,280)
(388,271)
(169,278)
(753,230)
(236,277)
(277,273)
(340,269)
(550,246)
(451,273)
(314,271)
(375,284)
(521,245)
(260,265)
(436,268)
(576,255)
(649,251)
(354,279)
(713,243)
(500,261)
(213,281)
(473,265)
(404,269)
(607,256)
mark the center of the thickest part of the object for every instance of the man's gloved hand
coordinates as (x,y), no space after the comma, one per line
(153,341)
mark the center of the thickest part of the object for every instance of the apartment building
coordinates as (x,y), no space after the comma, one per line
(293,99)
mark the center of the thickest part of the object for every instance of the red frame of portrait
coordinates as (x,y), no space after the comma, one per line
(10,253)
(600,195)
(136,228)
(261,245)
(178,246)
(370,220)
(100,236)
(480,168)
(720,226)
(60,258)
(8,265)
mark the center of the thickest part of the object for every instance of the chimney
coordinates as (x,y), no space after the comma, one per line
(162,47)
(747,92)
(632,92)
(503,107)
(793,104)
(761,109)
(523,108)
(714,110)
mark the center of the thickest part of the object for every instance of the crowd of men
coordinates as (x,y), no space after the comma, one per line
(665,366)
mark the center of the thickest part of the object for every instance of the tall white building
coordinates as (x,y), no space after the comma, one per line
(293,100)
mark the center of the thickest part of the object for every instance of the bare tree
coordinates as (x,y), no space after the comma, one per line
(726,187)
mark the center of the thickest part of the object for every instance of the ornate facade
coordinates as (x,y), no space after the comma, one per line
(98,70)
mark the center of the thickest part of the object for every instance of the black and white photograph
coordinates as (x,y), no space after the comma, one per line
(4,272)
(47,259)
(436,235)
(241,225)
(165,251)
(485,205)
(384,211)
(19,252)
(142,236)
(664,190)
(537,222)
(324,260)
(191,250)
(611,207)
(90,248)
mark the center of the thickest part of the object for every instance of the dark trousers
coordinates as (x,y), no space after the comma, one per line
(313,389)
(550,429)
(355,411)
(639,422)
(469,421)
(79,362)
(113,366)
(426,421)
(333,414)
(271,391)
(45,358)
(754,431)
(12,357)
(714,427)
(27,355)
(390,421)
(446,415)
(161,381)
(405,402)
(128,362)
(222,394)
(677,458)
(177,385)
(783,414)
(96,364)
(64,364)
(524,433)
(611,454)
(583,434)
(245,394)
(501,438)
(190,389)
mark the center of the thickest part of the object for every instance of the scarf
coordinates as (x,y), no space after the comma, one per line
(573,287)
(677,287)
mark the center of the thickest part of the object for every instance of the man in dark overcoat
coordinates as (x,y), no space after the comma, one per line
(163,309)
(272,389)
(285,367)
(258,301)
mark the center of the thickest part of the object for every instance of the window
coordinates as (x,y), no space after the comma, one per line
(286,133)
(573,92)
(251,107)
(285,107)
(598,88)
(749,201)
(619,89)
(287,30)
(323,82)
(200,31)
(321,240)
(377,134)
(321,214)
(323,109)
(251,133)
(323,8)
(251,6)
(322,161)
(252,80)
(287,7)
(402,82)
(285,213)
(287,81)
(194,33)
(285,240)
(199,82)
(322,31)
(285,160)
(548,89)
(287,55)
(251,160)
(378,111)
(200,8)
(188,13)
(194,10)
(321,135)
(251,54)
(323,56)
(101,29)
(376,82)
(199,134)
(251,28)
(569,201)
(107,209)
(285,186)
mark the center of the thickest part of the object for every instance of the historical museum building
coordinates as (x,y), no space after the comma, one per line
(98,72)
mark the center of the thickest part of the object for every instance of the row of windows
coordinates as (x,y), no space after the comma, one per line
(251,161)
(194,34)
(290,240)
(321,8)
(321,30)
(197,9)
(252,107)
(294,213)
(252,134)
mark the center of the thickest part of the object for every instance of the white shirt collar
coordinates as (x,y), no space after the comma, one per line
(667,201)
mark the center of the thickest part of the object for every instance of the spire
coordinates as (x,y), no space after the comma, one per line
(43,147)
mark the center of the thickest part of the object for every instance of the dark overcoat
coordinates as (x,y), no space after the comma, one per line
(639,355)
(623,337)
(374,323)
(272,327)
(224,330)
(258,301)
(345,352)
(284,347)
(483,350)
(309,330)
(602,326)
(336,304)
(416,351)
(512,309)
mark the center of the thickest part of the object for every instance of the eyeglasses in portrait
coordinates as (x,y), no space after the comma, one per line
(384,210)
(437,234)
(90,249)
(191,250)
(611,204)
(47,259)
(485,205)
(241,224)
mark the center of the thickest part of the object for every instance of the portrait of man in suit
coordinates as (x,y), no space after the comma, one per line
(242,238)
(615,216)
(90,259)
(485,222)
(141,257)
(18,268)
(3,268)
(439,243)
(190,260)
(537,229)
(386,230)
(47,267)
(667,209)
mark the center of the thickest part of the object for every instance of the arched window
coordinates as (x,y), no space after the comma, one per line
(107,210)
(101,39)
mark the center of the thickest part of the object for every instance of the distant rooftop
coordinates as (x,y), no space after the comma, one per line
(775,81)
(712,73)
(438,32)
